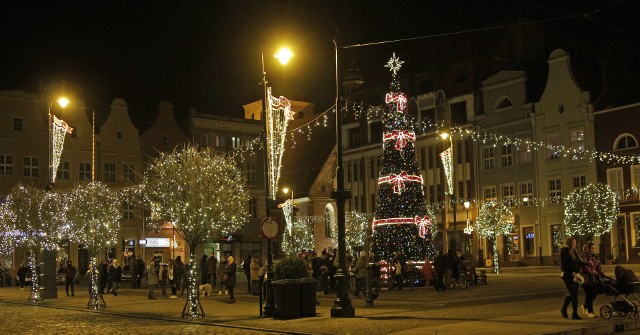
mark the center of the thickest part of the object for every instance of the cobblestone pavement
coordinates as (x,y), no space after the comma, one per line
(19,318)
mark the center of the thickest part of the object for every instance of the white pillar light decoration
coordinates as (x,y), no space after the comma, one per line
(279,114)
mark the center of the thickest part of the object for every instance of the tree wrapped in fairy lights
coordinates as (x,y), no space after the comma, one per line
(6,237)
(494,220)
(356,225)
(401,222)
(94,213)
(298,235)
(35,220)
(204,195)
(590,211)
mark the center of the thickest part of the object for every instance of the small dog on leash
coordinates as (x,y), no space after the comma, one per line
(205,290)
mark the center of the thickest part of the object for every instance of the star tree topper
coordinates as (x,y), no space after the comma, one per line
(394,64)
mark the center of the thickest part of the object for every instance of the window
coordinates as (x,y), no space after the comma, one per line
(508,195)
(63,171)
(6,165)
(556,238)
(84,171)
(110,172)
(577,139)
(219,141)
(506,155)
(119,135)
(327,222)
(524,152)
(504,103)
(440,193)
(430,153)
(354,137)
(165,140)
(30,166)
(488,159)
(355,171)
(251,173)
(253,207)
(636,224)
(489,193)
(374,197)
(529,237)
(235,142)
(615,181)
(560,108)
(355,203)
(373,172)
(363,203)
(461,190)
(553,144)
(423,158)
(579,181)
(127,173)
(625,141)
(460,77)
(348,164)
(127,213)
(555,191)
(635,176)
(526,193)
(17,123)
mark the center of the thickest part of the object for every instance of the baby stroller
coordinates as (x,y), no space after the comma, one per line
(625,284)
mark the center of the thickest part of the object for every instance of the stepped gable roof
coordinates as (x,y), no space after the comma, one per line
(302,163)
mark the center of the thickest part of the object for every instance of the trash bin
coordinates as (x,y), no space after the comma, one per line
(308,297)
(286,298)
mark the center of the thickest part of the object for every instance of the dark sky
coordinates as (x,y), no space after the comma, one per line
(206,54)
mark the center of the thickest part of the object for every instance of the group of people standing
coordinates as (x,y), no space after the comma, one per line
(579,269)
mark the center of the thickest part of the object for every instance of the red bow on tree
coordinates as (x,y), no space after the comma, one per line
(424,223)
(399,98)
(398,182)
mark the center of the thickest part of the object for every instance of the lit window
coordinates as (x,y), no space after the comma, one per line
(625,141)
(555,191)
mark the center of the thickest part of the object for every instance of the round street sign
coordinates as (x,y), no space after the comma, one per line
(269,228)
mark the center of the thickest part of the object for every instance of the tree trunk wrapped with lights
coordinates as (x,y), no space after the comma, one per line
(204,195)
(35,220)
(401,222)
(494,220)
(94,213)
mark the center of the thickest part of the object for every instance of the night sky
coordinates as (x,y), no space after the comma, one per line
(206,54)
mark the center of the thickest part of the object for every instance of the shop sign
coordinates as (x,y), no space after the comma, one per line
(162,242)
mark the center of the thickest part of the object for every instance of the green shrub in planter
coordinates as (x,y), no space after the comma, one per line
(291,268)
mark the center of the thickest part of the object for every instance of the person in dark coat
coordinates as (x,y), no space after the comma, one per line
(69,277)
(441,268)
(178,273)
(204,270)
(115,274)
(571,261)
(141,269)
(104,274)
(230,277)
(212,267)
(246,267)
(22,275)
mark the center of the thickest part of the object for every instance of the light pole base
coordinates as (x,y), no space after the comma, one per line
(269,307)
(342,307)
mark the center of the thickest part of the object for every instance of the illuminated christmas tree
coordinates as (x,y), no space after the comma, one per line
(590,211)
(494,220)
(94,213)
(401,222)
(35,220)
(204,195)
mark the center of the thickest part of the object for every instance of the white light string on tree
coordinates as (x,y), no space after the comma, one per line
(447,163)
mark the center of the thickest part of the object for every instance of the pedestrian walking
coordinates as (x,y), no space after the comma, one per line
(428,272)
(204,271)
(571,261)
(593,275)
(22,275)
(178,273)
(69,277)
(246,268)
(361,274)
(163,273)
(141,271)
(255,275)
(115,276)
(222,268)
(212,268)
(104,274)
(171,276)
(230,278)
(152,277)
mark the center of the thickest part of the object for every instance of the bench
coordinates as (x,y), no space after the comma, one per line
(480,277)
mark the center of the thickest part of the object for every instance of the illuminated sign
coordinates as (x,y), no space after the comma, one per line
(530,235)
(158,242)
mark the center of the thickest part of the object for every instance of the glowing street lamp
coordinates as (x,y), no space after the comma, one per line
(55,148)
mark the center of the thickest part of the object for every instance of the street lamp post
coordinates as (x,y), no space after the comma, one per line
(469,229)
(342,305)
(283,55)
